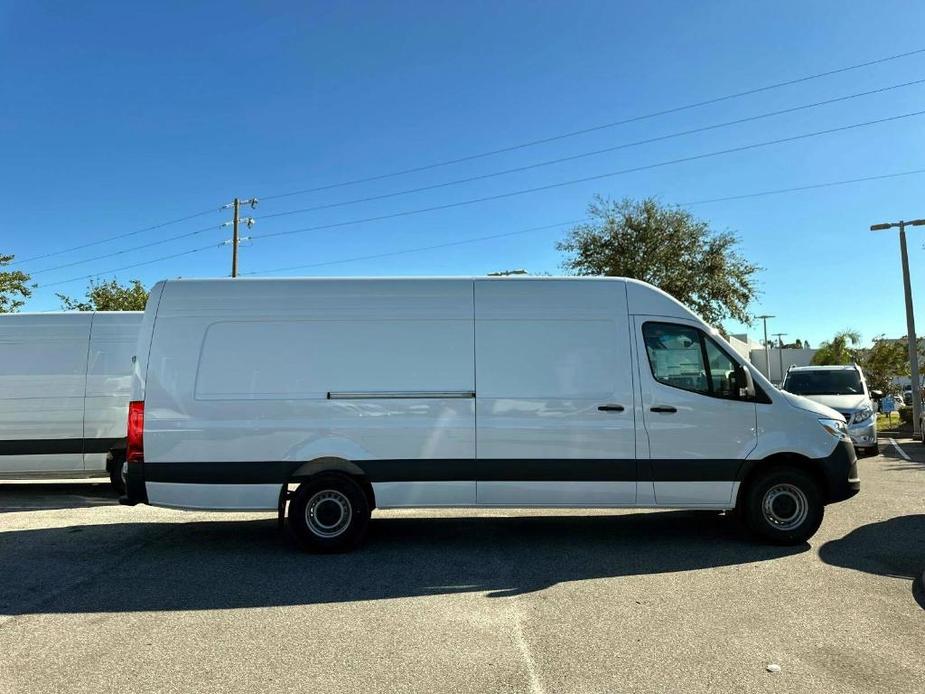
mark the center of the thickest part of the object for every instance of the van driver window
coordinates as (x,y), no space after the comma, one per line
(686,358)
(675,356)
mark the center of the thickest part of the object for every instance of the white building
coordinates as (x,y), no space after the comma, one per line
(754,351)
(781,360)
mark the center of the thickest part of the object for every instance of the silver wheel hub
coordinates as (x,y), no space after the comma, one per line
(785,506)
(328,513)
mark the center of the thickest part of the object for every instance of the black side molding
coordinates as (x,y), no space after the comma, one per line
(58,446)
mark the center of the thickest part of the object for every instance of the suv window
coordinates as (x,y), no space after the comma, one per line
(824,382)
(684,357)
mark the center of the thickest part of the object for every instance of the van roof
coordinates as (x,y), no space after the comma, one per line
(832,367)
(645,298)
(405,278)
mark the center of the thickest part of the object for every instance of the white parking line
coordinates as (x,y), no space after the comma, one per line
(899,450)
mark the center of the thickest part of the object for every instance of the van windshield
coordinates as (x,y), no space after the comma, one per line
(823,383)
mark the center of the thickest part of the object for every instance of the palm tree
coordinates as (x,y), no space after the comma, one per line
(841,349)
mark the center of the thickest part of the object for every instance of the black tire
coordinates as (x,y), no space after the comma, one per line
(872,451)
(114,460)
(329,513)
(783,506)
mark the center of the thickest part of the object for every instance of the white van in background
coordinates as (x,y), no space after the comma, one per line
(485,392)
(64,390)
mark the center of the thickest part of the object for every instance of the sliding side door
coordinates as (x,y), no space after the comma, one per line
(554,406)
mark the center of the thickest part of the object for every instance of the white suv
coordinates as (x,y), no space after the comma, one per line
(844,389)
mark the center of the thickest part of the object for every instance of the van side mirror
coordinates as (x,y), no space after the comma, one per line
(745,386)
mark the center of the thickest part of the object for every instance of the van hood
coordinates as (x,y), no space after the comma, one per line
(817,408)
(842,403)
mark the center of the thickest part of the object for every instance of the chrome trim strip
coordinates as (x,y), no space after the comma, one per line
(400,394)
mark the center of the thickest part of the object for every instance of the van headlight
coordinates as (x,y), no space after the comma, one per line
(862,415)
(835,427)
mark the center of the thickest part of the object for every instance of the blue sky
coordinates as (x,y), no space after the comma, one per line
(118,116)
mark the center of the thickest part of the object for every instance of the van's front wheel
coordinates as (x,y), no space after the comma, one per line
(329,513)
(784,506)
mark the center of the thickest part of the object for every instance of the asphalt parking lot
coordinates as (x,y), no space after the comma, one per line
(95,597)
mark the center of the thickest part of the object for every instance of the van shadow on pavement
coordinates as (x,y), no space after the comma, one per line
(894,547)
(44,496)
(217,564)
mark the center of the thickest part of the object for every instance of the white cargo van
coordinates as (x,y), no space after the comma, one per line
(488,392)
(65,380)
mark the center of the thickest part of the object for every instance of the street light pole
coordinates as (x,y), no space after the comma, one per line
(910,320)
(780,355)
(767,348)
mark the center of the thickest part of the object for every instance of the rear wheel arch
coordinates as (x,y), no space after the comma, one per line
(334,466)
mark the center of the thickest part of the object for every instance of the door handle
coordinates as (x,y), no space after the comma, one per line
(610,408)
(663,408)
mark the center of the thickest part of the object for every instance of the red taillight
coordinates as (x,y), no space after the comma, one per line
(135,450)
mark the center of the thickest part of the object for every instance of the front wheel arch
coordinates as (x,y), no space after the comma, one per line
(752,470)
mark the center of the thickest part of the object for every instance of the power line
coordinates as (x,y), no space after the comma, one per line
(492,236)
(488,153)
(128,250)
(247,220)
(582,155)
(477,239)
(603,126)
(493,174)
(510,148)
(585,179)
(420,249)
(795,189)
(115,237)
(134,265)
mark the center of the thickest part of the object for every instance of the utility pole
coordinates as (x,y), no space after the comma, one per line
(910,320)
(767,348)
(780,355)
(235,238)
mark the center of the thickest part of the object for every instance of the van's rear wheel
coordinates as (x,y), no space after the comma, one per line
(329,513)
(784,506)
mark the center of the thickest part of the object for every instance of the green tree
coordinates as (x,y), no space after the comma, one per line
(667,247)
(109,296)
(841,349)
(14,287)
(885,361)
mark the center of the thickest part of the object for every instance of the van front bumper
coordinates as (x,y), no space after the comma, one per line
(135,492)
(840,470)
